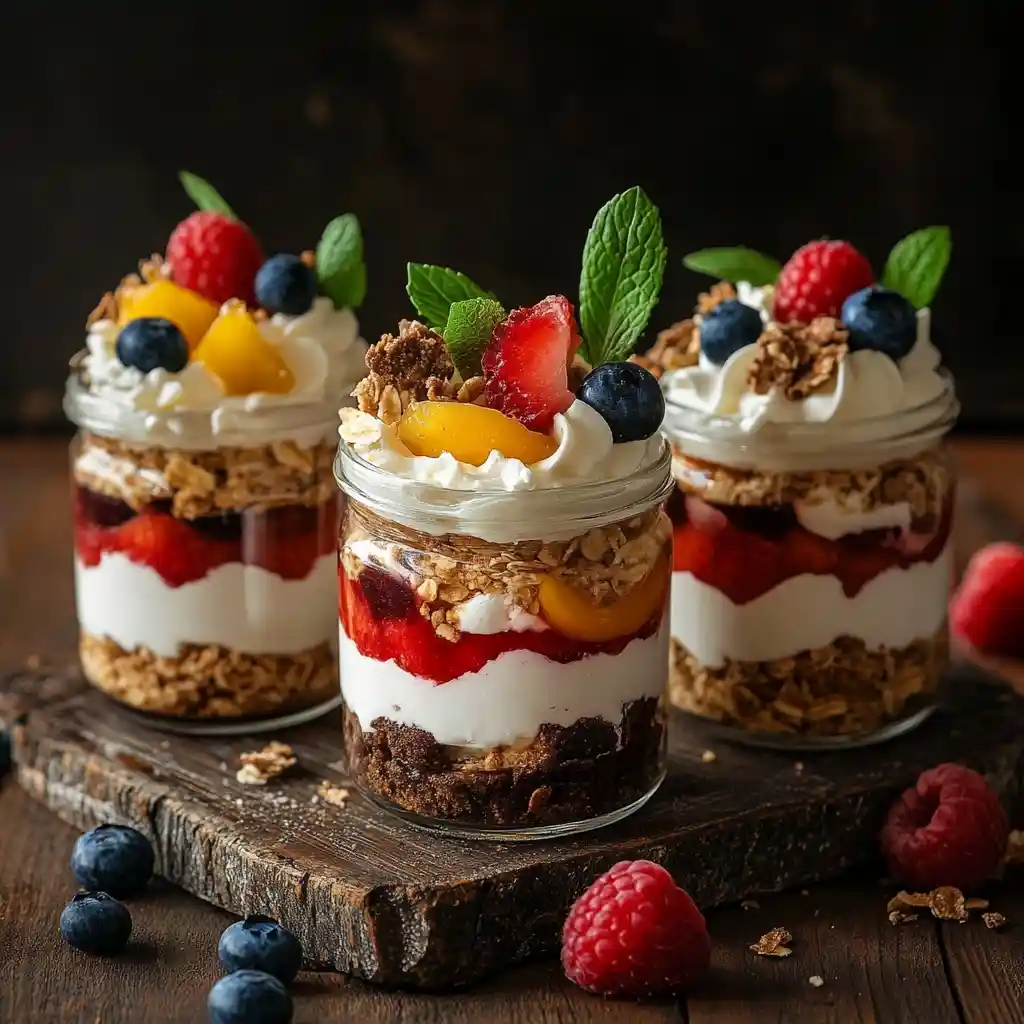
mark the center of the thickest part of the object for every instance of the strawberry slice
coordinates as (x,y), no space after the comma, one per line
(526,364)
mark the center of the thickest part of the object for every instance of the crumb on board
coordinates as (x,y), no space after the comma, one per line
(773,943)
(258,767)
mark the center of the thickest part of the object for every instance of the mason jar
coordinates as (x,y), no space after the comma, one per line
(504,654)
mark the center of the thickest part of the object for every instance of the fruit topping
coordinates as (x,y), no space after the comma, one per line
(236,353)
(152,343)
(573,614)
(215,255)
(987,610)
(628,397)
(816,281)
(113,858)
(192,313)
(526,363)
(727,328)
(880,319)
(259,943)
(249,997)
(95,922)
(948,829)
(286,284)
(634,932)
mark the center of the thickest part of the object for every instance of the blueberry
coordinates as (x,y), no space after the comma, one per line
(262,944)
(729,327)
(152,343)
(628,397)
(284,284)
(95,922)
(114,858)
(880,319)
(249,997)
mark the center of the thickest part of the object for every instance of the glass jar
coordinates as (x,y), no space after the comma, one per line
(811,575)
(205,562)
(504,654)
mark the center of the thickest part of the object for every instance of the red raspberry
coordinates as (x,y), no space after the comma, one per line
(634,932)
(950,829)
(215,256)
(987,611)
(818,278)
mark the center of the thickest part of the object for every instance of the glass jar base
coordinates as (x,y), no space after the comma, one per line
(810,744)
(465,830)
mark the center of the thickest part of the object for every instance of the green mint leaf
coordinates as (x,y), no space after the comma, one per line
(468,332)
(340,269)
(434,289)
(733,264)
(204,195)
(917,263)
(623,266)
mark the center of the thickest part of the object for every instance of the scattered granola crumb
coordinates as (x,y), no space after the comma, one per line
(897,917)
(718,293)
(333,794)
(708,756)
(947,903)
(798,766)
(750,905)
(797,359)
(773,943)
(260,766)
(816,980)
(993,920)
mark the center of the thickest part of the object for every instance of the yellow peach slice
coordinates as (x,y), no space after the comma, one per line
(574,615)
(190,312)
(470,433)
(238,355)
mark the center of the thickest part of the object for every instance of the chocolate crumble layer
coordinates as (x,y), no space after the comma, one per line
(568,773)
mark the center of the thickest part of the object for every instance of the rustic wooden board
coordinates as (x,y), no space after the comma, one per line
(399,907)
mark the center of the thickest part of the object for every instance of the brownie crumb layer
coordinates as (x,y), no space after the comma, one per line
(568,773)
(209,681)
(838,690)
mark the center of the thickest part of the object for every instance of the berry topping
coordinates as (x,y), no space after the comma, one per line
(628,397)
(949,829)
(729,327)
(190,312)
(286,284)
(216,256)
(634,932)
(987,611)
(236,353)
(527,362)
(880,319)
(249,997)
(96,923)
(817,280)
(152,343)
(261,944)
(114,858)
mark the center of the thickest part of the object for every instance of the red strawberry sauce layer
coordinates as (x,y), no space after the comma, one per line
(380,615)
(285,541)
(743,552)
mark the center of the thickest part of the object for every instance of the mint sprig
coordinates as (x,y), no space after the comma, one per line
(917,263)
(735,263)
(340,270)
(471,323)
(204,195)
(433,289)
(623,267)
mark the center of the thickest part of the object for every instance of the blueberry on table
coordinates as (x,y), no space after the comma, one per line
(284,284)
(262,944)
(727,328)
(249,997)
(152,343)
(880,319)
(628,398)
(95,922)
(114,858)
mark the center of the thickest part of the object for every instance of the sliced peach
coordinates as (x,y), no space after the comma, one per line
(470,433)
(238,355)
(574,615)
(190,312)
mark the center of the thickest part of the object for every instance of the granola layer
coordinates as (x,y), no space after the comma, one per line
(210,681)
(838,690)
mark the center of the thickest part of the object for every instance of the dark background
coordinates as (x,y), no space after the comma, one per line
(484,135)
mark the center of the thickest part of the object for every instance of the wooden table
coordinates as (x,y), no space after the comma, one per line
(926,972)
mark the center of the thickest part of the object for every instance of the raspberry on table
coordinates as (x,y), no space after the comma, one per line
(817,280)
(987,610)
(949,829)
(216,256)
(634,932)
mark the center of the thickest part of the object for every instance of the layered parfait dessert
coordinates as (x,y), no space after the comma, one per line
(814,500)
(504,570)
(205,514)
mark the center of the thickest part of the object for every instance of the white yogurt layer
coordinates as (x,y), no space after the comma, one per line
(832,520)
(241,607)
(896,608)
(510,698)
